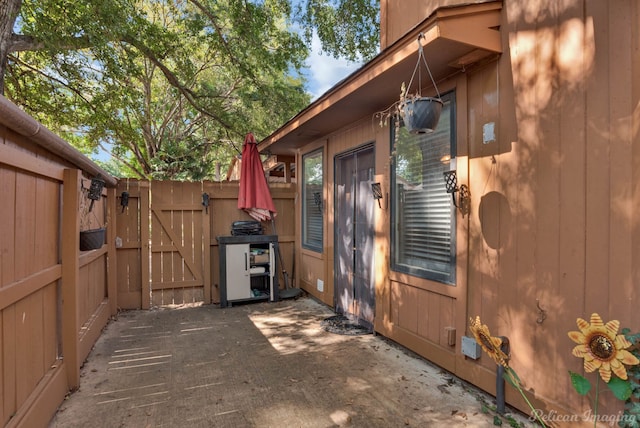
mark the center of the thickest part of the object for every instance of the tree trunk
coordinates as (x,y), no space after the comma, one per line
(8,13)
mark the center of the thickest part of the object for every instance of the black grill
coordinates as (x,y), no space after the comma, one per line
(241,228)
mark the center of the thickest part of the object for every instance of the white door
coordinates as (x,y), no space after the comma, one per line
(238,276)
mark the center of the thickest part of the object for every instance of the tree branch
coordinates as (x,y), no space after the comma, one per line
(141,174)
(22,43)
(54,79)
(173,81)
(224,43)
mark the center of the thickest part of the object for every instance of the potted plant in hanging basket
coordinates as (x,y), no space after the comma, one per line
(420,114)
(91,238)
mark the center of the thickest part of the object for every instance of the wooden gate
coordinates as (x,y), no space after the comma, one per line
(179,223)
(164,232)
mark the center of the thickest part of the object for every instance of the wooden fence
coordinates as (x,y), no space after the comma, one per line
(55,299)
(167,239)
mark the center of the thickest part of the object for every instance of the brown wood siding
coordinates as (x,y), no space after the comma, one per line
(400,16)
(425,313)
(552,233)
(553,221)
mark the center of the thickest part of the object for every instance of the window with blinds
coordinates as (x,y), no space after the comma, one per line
(422,213)
(312,200)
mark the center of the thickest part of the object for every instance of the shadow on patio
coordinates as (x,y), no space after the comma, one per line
(259,365)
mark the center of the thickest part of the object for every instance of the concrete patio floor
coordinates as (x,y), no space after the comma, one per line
(261,365)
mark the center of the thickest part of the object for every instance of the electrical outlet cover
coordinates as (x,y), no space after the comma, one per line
(470,347)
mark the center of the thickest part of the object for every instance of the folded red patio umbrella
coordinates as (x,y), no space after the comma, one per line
(254,196)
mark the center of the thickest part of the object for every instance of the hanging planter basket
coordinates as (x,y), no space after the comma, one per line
(92,239)
(421,115)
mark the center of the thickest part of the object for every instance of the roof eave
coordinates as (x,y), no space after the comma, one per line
(454,38)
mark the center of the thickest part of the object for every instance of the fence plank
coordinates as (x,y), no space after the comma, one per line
(175,285)
(144,238)
(7,214)
(112,258)
(12,293)
(24,230)
(27,161)
(206,255)
(9,362)
(127,219)
(29,352)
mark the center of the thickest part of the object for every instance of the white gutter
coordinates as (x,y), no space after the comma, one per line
(17,120)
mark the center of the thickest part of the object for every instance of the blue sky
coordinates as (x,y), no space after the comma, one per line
(325,71)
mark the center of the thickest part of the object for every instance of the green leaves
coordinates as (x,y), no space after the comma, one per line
(346,28)
(620,388)
(170,87)
(580,383)
(632,404)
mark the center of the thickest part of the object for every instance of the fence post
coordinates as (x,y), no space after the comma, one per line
(70,251)
(112,258)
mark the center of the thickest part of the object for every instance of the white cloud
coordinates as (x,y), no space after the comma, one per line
(324,71)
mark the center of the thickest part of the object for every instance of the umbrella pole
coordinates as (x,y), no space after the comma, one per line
(284,271)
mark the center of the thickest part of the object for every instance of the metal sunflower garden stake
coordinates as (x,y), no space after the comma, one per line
(602,348)
(493,347)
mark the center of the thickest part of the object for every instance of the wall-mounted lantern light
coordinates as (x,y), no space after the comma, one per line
(124,200)
(95,191)
(205,202)
(376,189)
(464,198)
